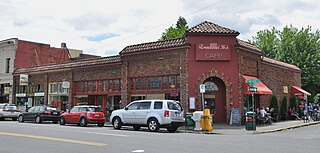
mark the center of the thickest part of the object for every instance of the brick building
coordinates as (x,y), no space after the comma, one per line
(15,53)
(208,54)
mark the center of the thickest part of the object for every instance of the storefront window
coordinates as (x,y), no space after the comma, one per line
(100,86)
(105,85)
(85,87)
(138,84)
(165,82)
(94,86)
(132,84)
(110,85)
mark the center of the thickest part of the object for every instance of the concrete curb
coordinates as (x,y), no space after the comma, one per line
(287,128)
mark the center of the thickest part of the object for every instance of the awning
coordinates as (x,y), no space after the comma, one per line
(262,88)
(299,91)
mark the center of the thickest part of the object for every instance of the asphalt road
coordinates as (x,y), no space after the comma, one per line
(52,138)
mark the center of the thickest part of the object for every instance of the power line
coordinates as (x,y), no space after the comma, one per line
(155,27)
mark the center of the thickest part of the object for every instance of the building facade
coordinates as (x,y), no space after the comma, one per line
(15,53)
(208,54)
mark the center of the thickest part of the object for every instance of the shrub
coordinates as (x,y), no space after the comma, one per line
(284,106)
(294,103)
(274,104)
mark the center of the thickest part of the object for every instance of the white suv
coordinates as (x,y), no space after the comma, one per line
(151,113)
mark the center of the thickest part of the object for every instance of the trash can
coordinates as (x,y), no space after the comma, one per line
(189,121)
(250,121)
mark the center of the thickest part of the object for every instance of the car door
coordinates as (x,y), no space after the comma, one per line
(35,112)
(27,114)
(70,117)
(142,112)
(128,115)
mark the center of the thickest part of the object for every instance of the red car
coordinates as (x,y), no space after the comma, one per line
(83,115)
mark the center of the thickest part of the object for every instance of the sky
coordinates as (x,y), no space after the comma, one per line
(105,27)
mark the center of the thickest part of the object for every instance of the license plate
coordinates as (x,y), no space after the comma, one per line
(96,115)
(55,113)
(11,112)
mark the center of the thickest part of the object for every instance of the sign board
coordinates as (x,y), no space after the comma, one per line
(21,95)
(66,84)
(192,104)
(213,52)
(285,89)
(202,88)
(39,94)
(235,117)
(253,89)
(23,79)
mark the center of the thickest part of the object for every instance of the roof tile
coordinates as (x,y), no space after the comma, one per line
(71,64)
(247,45)
(155,45)
(211,28)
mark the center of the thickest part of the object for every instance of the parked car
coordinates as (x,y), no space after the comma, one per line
(83,115)
(9,111)
(40,113)
(151,113)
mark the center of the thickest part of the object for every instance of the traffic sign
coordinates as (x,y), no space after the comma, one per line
(202,88)
(253,89)
(252,81)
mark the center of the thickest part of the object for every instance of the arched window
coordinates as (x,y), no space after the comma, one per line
(211,87)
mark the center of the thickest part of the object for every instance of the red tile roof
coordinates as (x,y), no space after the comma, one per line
(155,45)
(72,64)
(211,28)
(272,61)
(248,45)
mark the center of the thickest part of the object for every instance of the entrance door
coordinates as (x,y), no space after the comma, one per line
(215,98)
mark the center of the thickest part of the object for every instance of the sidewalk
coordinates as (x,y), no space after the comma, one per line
(226,129)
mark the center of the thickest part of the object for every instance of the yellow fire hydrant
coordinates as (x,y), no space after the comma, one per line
(206,120)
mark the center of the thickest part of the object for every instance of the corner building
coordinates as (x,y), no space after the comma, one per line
(208,54)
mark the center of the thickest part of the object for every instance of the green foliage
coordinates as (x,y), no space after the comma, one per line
(175,32)
(284,105)
(274,104)
(294,103)
(293,46)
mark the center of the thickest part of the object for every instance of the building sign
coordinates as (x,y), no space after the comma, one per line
(21,95)
(213,52)
(39,94)
(285,89)
(23,80)
(66,84)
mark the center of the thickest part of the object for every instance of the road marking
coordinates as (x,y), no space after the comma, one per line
(117,135)
(138,151)
(53,139)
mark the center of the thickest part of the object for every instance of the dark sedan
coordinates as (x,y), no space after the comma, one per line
(39,114)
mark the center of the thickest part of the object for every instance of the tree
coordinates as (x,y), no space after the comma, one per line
(293,46)
(175,32)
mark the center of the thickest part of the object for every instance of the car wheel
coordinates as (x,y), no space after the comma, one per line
(55,122)
(14,119)
(172,128)
(38,119)
(20,119)
(62,121)
(153,125)
(136,127)
(83,122)
(117,124)
(101,124)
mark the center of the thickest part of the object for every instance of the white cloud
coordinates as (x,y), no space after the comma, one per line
(130,22)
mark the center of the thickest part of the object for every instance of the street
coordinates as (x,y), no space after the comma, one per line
(52,138)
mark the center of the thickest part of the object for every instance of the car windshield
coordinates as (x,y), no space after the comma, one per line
(94,109)
(174,106)
(10,107)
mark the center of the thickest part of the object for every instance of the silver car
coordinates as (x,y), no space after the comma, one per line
(9,111)
(153,114)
